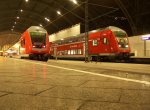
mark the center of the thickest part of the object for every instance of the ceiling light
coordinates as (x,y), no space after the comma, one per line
(15,22)
(41,25)
(58,12)
(74,1)
(21,10)
(26,0)
(18,17)
(12,29)
(48,20)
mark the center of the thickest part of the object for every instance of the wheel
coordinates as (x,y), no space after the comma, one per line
(31,57)
(45,58)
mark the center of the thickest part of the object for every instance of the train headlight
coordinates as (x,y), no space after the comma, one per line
(127,46)
(119,45)
(43,46)
(33,46)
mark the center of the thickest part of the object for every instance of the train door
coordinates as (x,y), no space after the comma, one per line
(94,44)
(105,47)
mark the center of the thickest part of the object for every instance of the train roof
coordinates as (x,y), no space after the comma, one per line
(36,29)
(112,28)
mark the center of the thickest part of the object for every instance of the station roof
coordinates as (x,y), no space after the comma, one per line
(131,15)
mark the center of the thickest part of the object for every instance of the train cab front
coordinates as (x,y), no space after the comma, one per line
(40,45)
(122,44)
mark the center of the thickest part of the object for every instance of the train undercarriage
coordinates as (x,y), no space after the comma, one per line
(40,57)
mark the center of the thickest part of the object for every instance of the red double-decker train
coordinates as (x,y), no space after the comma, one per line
(107,43)
(33,44)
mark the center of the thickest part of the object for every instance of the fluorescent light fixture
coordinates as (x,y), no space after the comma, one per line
(58,12)
(21,10)
(74,1)
(41,25)
(48,20)
(18,17)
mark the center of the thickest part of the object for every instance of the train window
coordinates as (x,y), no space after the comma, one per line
(58,52)
(68,52)
(71,52)
(95,42)
(79,51)
(105,41)
(62,52)
(76,52)
(38,37)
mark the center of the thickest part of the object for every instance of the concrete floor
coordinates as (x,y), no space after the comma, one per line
(73,85)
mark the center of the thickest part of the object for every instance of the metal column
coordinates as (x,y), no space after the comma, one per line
(86,31)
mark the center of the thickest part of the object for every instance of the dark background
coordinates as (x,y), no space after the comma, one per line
(131,15)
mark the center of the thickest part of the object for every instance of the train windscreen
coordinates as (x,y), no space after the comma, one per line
(37,37)
(121,38)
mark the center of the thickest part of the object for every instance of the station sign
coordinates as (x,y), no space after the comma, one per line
(145,37)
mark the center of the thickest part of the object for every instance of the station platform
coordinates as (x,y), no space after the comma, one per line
(140,59)
(73,85)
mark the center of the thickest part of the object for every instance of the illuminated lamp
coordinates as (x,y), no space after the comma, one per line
(145,37)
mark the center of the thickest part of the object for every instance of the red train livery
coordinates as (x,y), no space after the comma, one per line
(107,43)
(34,43)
